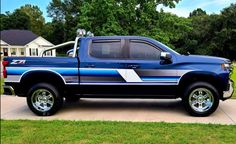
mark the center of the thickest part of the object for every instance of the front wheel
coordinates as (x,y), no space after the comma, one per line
(201,99)
(44,99)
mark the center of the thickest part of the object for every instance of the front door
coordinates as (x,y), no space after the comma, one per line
(150,77)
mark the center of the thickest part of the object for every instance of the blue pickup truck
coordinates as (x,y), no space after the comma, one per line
(119,67)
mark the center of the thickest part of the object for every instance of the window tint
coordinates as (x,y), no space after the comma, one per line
(106,49)
(143,51)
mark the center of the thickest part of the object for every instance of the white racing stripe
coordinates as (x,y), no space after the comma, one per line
(129,75)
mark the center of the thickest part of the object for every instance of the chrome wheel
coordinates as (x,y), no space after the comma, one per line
(42,100)
(201,100)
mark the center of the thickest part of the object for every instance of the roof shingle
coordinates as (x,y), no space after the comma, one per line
(17,37)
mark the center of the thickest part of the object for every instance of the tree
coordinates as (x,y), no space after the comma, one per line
(199,34)
(106,17)
(224,41)
(3,22)
(197,12)
(35,15)
(18,20)
(212,34)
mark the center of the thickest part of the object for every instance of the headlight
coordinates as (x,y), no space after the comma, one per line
(226,66)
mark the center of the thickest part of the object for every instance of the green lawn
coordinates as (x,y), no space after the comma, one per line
(1,85)
(23,132)
(233,76)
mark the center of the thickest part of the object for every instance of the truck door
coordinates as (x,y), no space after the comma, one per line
(100,64)
(145,73)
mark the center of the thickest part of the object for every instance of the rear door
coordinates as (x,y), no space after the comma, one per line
(99,68)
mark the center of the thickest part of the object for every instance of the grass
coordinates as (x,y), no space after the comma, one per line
(233,77)
(24,131)
(1,85)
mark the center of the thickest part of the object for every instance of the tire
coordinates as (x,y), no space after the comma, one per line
(72,99)
(44,99)
(200,99)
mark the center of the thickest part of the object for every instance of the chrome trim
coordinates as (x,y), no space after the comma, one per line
(75,46)
(56,47)
(228,94)
(10,88)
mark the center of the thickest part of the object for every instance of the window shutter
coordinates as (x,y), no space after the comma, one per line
(30,51)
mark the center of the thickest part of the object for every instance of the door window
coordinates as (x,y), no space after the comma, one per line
(5,51)
(106,49)
(142,50)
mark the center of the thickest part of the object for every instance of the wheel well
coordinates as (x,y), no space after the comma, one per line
(190,78)
(31,78)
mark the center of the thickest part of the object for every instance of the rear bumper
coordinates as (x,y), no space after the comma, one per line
(228,94)
(8,90)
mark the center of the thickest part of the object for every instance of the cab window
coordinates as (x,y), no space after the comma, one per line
(107,49)
(142,50)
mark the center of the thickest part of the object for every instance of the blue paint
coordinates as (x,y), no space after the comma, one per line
(167,78)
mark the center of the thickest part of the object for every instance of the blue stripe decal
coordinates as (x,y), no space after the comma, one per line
(66,71)
(99,72)
(62,71)
(16,71)
(90,72)
(160,78)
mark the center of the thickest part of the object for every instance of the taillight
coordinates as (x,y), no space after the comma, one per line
(4,63)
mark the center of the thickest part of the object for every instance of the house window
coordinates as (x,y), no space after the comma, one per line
(33,52)
(13,51)
(22,51)
(49,53)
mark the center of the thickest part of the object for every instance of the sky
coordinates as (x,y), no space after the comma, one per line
(183,8)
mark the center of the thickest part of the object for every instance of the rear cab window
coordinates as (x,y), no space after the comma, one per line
(107,49)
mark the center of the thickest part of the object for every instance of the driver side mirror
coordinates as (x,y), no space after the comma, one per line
(166,58)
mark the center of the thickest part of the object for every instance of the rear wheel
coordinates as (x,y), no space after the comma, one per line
(201,99)
(44,99)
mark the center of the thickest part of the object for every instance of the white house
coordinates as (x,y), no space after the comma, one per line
(23,43)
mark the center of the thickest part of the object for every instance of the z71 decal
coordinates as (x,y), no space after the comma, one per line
(18,62)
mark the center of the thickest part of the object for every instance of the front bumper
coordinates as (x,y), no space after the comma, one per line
(228,94)
(8,90)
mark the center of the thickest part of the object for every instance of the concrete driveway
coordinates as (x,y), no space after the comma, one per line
(150,110)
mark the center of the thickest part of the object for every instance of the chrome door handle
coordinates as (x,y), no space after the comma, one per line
(90,66)
(133,66)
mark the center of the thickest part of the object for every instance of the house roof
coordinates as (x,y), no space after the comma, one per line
(18,37)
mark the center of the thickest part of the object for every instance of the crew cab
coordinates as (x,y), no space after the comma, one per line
(119,67)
